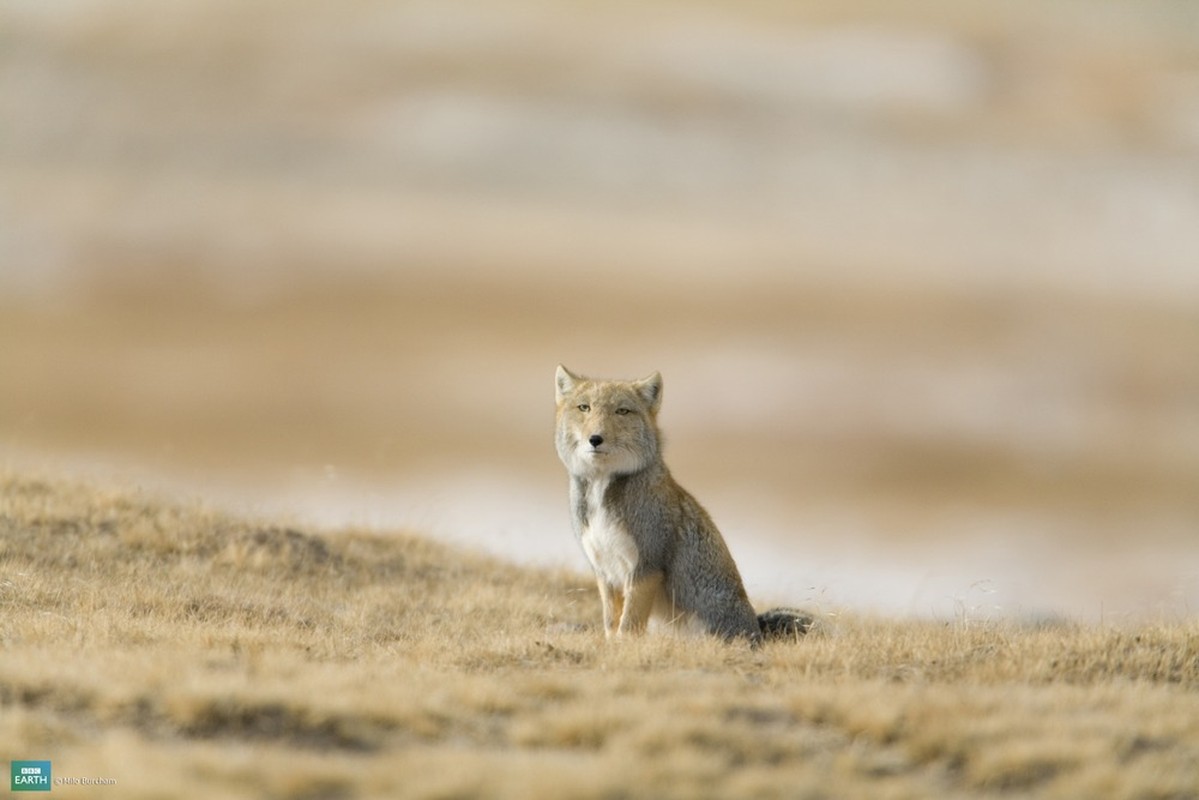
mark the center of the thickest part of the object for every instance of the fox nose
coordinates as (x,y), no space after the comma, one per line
(596,440)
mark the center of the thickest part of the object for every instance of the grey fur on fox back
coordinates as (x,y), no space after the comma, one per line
(654,549)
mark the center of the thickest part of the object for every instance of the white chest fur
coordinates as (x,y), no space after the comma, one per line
(607,543)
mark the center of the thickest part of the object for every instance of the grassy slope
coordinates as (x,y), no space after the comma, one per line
(185,653)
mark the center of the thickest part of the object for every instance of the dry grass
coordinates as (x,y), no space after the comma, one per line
(184,653)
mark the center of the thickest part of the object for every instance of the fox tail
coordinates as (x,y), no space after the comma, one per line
(785,623)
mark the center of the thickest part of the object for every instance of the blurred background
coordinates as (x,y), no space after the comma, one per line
(922,278)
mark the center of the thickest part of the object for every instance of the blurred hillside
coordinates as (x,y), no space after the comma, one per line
(922,281)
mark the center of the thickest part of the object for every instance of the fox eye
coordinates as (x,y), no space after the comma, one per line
(584,407)
(623,411)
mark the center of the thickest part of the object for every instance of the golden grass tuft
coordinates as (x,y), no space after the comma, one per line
(186,653)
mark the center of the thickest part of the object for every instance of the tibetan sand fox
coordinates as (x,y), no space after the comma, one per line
(655,551)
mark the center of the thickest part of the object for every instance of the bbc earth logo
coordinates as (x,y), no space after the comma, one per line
(30,776)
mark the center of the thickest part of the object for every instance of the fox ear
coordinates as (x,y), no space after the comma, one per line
(650,390)
(564,383)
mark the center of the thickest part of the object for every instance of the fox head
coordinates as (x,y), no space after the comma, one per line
(607,427)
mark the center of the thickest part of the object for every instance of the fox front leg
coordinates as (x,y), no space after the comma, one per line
(613,602)
(640,596)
